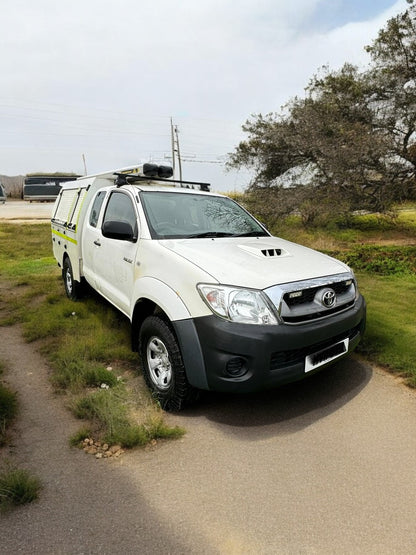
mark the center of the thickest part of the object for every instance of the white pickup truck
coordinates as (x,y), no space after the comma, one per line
(215,302)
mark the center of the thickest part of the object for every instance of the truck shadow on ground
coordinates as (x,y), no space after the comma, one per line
(289,408)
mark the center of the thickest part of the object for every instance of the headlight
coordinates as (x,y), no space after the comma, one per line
(354,281)
(246,306)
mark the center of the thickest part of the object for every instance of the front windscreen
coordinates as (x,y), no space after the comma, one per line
(186,215)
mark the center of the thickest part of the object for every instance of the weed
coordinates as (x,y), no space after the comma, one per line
(79,436)
(17,487)
(159,430)
(80,373)
(8,408)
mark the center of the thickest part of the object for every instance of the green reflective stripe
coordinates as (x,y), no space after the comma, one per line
(64,237)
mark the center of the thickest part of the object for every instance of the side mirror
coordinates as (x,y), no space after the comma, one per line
(118,230)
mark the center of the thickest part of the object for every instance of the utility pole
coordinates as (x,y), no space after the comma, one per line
(175,150)
(172,138)
(85,164)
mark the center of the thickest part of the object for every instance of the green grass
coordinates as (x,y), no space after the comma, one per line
(80,340)
(383,261)
(8,407)
(18,487)
(109,407)
(397,228)
(25,268)
(8,411)
(83,433)
(78,374)
(25,250)
(390,338)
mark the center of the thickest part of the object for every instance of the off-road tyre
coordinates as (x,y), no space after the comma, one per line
(73,288)
(163,368)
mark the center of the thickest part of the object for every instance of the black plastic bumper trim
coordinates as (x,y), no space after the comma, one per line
(272,355)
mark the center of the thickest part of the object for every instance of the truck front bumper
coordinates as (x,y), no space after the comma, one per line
(226,356)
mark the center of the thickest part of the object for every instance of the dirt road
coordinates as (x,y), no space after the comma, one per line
(324,466)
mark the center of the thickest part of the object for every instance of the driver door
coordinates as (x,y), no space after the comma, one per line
(114,259)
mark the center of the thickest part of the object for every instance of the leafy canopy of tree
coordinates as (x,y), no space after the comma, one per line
(350,143)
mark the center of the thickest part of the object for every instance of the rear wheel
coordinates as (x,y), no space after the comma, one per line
(163,367)
(73,288)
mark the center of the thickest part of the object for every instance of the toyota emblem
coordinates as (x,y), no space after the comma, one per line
(328,298)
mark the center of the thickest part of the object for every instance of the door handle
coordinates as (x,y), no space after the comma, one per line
(97,242)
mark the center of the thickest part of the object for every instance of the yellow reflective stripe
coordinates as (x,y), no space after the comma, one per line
(64,237)
(136,169)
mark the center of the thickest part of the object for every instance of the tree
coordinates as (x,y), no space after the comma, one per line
(350,143)
(393,77)
(325,143)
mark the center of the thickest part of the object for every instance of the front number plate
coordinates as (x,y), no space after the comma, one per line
(326,355)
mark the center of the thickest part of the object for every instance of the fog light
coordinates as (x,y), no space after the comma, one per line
(236,367)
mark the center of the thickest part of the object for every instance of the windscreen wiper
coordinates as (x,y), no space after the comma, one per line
(210,234)
(252,234)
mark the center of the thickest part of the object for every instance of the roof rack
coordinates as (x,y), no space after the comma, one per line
(128,178)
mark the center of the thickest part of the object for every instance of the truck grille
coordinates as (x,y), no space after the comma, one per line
(305,301)
(308,295)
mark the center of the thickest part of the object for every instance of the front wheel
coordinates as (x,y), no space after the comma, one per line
(73,288)
(163,367)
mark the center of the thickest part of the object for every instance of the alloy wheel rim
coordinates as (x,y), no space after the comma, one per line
(68,281)
(160,367)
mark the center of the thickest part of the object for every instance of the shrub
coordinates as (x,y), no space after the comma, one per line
(18,487)
(384,261)
(8,410)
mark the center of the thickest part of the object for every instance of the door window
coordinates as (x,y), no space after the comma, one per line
(96,207)
(120,208)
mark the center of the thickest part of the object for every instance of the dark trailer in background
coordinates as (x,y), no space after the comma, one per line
(44,187)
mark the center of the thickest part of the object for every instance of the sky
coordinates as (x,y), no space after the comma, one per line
(94,84)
